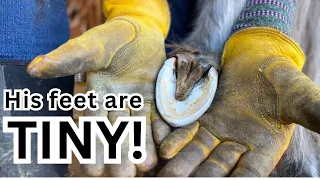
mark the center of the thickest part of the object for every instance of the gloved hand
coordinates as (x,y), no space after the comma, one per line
(261,94)
(123,55)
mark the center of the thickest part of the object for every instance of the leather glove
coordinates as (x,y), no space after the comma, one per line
(122,55)
(261,94)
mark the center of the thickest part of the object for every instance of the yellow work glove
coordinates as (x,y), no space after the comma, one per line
(261,94)
(122,55)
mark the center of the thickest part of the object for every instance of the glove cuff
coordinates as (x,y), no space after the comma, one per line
(154,13)
(260,43)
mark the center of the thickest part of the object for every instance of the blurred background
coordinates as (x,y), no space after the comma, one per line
(83,15)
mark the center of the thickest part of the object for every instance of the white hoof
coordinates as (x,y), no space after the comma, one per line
(181,113)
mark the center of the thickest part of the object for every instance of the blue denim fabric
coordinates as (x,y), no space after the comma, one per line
(31,27)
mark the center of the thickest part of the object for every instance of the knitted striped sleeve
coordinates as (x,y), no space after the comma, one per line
(277,14)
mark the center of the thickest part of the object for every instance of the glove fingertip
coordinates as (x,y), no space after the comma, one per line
(33,68)
(160,131)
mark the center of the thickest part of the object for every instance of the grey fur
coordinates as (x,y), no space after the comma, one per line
(213,27)
(301,159)
(306,32)
(214,23)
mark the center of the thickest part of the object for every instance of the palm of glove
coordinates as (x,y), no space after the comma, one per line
(123,55)
(249,125)
(240,135)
